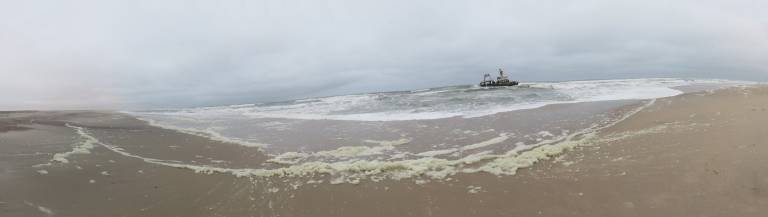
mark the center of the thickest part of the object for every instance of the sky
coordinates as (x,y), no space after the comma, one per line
(109,54)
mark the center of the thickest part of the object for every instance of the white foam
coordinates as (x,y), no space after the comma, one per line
(42,209)
(545,134)
(400,141)
(355,151)
(208,133)
(501,138)
(474,189)
(344,152)
(288,158)
(496,140)
(434,153)
(83,146)
(354,170)
(510,165)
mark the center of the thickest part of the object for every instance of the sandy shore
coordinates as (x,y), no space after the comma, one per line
(698,154)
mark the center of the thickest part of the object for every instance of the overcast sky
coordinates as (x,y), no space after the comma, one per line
(106,54)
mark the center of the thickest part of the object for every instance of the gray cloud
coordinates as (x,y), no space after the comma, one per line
(143,54)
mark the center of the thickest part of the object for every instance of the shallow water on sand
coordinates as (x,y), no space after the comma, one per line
(433,132)
(421,150)
(121,165)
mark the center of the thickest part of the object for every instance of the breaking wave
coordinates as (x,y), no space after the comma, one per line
(443,102)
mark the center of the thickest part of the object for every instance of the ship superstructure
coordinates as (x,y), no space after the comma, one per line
(501,80)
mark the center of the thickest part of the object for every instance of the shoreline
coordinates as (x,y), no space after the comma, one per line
(696,154)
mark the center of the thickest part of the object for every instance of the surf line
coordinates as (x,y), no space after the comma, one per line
(83,146)
(209,134)
(427,168)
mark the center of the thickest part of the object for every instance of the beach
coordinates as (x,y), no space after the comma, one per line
(701,153)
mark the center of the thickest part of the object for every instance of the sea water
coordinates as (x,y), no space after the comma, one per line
(430,133)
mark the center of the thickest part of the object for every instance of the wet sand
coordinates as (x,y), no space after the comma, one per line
(698,154)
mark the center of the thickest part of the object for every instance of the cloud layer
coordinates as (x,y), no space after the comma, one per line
(148,54)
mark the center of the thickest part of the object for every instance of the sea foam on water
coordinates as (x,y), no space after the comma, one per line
(376,159)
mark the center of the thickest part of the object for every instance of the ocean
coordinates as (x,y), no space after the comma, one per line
(575,148)
(423,134)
